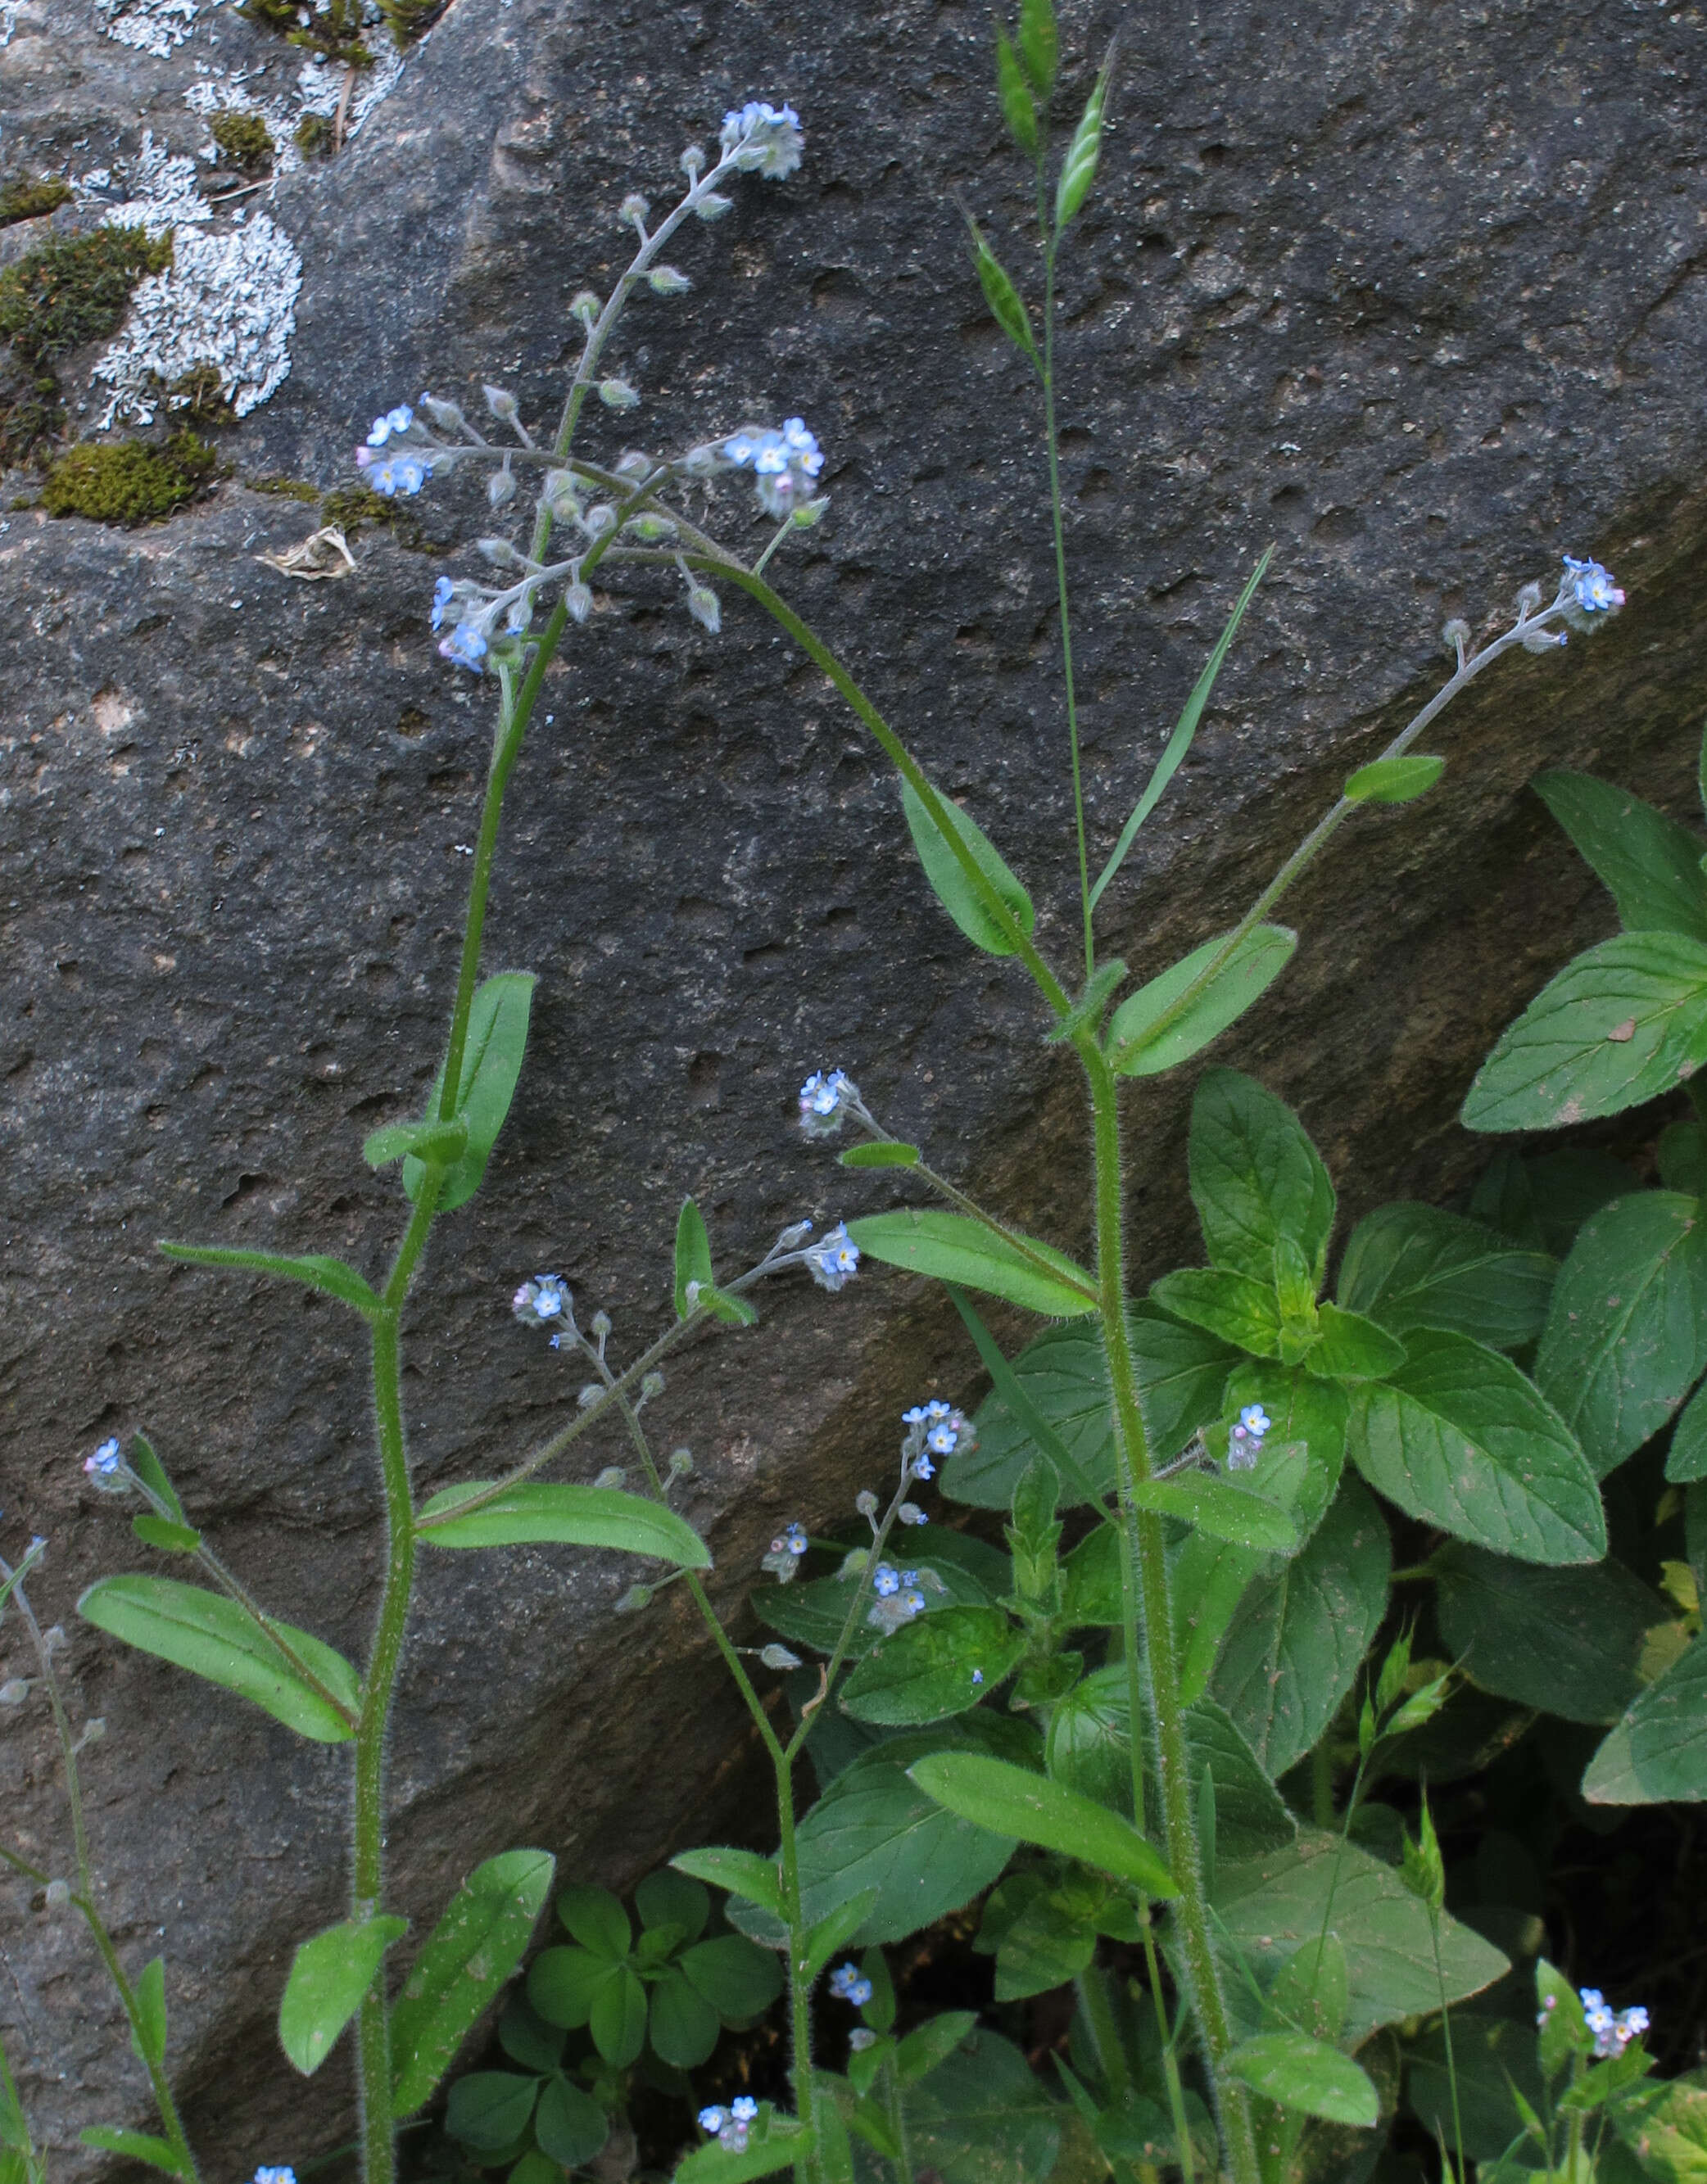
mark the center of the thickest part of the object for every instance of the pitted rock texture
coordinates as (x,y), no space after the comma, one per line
(1413,289)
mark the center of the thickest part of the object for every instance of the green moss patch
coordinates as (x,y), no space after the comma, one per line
(287,488)
(126,482)
(28,200)
(67,293)
(245,140)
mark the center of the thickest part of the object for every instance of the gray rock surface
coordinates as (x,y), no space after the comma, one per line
(1413,289)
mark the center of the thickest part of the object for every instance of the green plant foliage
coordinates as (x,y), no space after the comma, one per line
(62,296)
(956,1248)
(1570,1641)
(463,1964)
(126,482)
(23,199)
(1411,1265)
(245,140)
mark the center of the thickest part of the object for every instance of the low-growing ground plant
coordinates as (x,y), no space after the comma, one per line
(1187,1738)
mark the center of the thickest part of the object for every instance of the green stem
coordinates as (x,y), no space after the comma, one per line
(1322,1784)
(1170,2060)
(1150,1602)
(1049,250)
(1092,1987)
(1446,2033)
(897,2123)
(506,745)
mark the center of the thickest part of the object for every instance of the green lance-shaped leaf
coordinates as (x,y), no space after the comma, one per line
(445,1142)
(491,1064)
(148,2029)
(314,1269)
(742,1872)
(171,1539)
(217,1639)
(1255,1177)
(1657,1753)
(829,1935)
(1416,1266)
(1183,730)
(133,2145)
(466,1960)
(1079,168)
(152,1472)
(949,881)
(329,1975)
(1461,1439)
(1241,1311)
(1393,781)
(1145,1037)
(774,2142)
(536,1515)
(1649,865)
(883,1152)
(1350,1348)
(1009,312)
(693,1256)
(1623,1023)
(1298,2072)
(1227,1508)
(930,2045)
(1626,1337)
(1038,44)
(956,1248)
(1012,1800)
(940,1664)
(1018,107)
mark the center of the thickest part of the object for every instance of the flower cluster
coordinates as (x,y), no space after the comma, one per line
(935,1429)
(408,464)
(900,1597)
(1591,588)
(1245,1439)
(762,139)
(729,2126)
(834,1261)
(543,1302)
(848,1984)
(787,1550)
(1613,2033)
(275,2176)
(826,1098)
(105,1464)
(784,464)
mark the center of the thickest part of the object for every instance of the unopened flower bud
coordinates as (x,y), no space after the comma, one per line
(578,599)
(866,1503)
(666,281)
(633,208)
(612,1475)
(861,2038)
(634,1599)
(54,1639)
(57,1895)
(1528,600)
(704,606)
(589,1395)
(910,1513)
(601,1326)
(778,1657)
(811,512)
(14,1691)
(1541,640)
(599,519)
(692,163)
(559,494)
(1456,635)
(633,463)
(618,394)
(500,488)
(501,403)
(652,1386)
(681,1463)
(713,205)
(584,305)
(445,414)
(94,1730)
(499,552)
(649,528)
(794,1236)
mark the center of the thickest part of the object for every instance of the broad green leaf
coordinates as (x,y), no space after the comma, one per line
(775,2142)
(956,1248)
(1255,1177)
(948,878)
(1311,1992)
(1626,1337)
(1567,1642)
(1019,107)
(1543,1200)
(1038,44)
(1210,1579)
(1392,781)
(570,2128)
(148,2030)
(536,1514)
(1270,1906)
(1241,1311)
(134,2145)
(1226,1507)
(1681,1156)
(1054,1461)
(1623,1023)
(564,1983)
(1657,1753)
(1303,1413)
(1079,168)
(1012,1800)
(329,1975)
(617,2018)
(671,1898)
(489,2109)
(874,1828)
(742,1872)
(683,2024)
(1416,1266)
(1351,1348)
(1685,1460)
(445,1142)
(982,2117)
(812,1613)
(1301,1631)
(739,1979)
(171,1539)
(315,1270)
(491,1063)
(152,1472)
(597,1920)
(882,1152)
(1665,2127)
(1181,1372)
(214,1638)
(1185,729)
(1459,1438)
(1298,2072)
(1157,1029)
(693,1256)
(464,1962)
(1047,1943)
(939,1664)
(1490,2056)
(1650,865)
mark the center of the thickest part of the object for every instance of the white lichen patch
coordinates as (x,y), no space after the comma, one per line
(321,86)
(152,26)
(219,93)
(163,187)
(225,300)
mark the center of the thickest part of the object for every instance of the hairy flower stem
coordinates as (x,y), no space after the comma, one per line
(1052,441)
(1148,1609)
